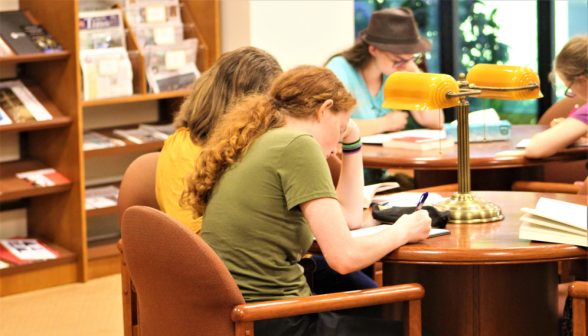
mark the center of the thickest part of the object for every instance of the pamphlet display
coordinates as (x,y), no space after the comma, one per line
(102,29)
(159,13)
(171,67)
(106,73)
(103,197)
(159,34)
(23,251)
(139,135)
(47,177)
(161,131)
(95,140)
(20,104)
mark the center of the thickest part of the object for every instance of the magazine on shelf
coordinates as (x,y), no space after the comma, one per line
(159,33)
(139,135)
(162,131)
(171,67)
(102,197)
(95,140)
(145,3)
(46,177)
(11,30)
(153,13)
(5,50)
(22,251)
(42,39)
(106,73)
(102,29)
(18,102)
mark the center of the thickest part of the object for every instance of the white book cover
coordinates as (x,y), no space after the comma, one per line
(532,231)
(95,140)
(4,119)
(560,211)
(551,224)
(15,96)
(27,249)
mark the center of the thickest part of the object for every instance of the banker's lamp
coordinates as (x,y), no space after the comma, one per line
(426,91)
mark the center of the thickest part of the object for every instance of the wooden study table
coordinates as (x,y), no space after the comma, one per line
(482,280)
(489,171)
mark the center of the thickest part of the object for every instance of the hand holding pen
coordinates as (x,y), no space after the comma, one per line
(422,200)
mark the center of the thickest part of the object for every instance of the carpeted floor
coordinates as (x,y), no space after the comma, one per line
(89,309)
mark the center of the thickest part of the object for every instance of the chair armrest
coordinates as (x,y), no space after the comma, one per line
(564,188)
(119,245)
(578,289)
(327,302)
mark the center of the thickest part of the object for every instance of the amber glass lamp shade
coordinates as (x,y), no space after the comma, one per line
(504,76)
(419,91)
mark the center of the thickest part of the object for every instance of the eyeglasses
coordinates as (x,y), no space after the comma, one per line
(415,58)
(568,93)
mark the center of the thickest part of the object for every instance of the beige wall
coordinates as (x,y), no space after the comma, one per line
(296,32)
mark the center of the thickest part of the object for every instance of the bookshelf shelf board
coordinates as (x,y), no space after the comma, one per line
(129,147)
(136,98)
(103,249)
(12,187)
(56,122)
(38,57)
(65,257)
(102,211)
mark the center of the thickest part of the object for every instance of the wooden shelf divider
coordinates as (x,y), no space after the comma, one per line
(130,147)
(38,57)
(65,257)
(103,248)
(12,187)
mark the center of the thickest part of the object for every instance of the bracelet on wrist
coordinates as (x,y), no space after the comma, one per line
(352,148)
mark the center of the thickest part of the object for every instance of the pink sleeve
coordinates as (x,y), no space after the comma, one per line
(580,114)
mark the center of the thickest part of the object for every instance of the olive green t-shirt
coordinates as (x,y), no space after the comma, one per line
(253,220)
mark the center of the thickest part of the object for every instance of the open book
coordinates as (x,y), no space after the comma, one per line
(370,191)
(555,222)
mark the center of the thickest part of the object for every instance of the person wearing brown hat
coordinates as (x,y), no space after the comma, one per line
(390,43)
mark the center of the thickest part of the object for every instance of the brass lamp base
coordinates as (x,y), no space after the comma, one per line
(470,209)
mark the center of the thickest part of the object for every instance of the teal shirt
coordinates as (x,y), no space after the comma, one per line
(368,106)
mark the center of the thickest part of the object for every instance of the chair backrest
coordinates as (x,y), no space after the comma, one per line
(138,184)
(560,109)
(183,287)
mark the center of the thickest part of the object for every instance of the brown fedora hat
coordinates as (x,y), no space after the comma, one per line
(395,30)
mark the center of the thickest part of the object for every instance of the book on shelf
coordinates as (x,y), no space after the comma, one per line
(5,50)
(418,143)
(162,131)
(22,251)
(139,135)
(555,221)
(20,104)
(95,140)
(370,191)
(47,177)
(23,37)
(102,197)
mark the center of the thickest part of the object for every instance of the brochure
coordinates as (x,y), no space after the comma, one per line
(171,67)
(18,102)
(102,29)
(160,131)
(95,140)
(138,135)
(106,73)
(47,177)
(101,197)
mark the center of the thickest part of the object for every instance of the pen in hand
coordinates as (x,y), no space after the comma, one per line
(422,200)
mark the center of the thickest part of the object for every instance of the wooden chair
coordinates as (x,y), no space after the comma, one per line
(578,291)
(137,188)
(184,288)
(561,109)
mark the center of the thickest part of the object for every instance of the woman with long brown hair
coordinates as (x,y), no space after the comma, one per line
(262,184)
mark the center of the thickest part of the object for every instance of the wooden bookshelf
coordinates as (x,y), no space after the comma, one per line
(58,213)
(136,98)
(39,57)
(129,147)
(12,188)
(102,211)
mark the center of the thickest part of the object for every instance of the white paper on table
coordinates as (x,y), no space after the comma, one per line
(478,117)
(27,249)
(523,143)
(378,139)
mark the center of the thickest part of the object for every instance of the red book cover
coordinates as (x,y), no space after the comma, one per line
(6,255)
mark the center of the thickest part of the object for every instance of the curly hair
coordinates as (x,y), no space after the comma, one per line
(298,93)
(572,60)
(247,70)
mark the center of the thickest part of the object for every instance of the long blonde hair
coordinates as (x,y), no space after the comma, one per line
(298,93)
(572,60)
(247,70)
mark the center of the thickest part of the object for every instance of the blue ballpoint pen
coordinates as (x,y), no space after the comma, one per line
(422,200)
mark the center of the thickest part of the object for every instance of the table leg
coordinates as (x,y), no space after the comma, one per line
(482,300)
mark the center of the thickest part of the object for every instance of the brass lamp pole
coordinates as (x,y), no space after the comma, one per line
(465,207)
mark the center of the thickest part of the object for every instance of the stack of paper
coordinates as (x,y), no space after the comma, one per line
(555,222)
